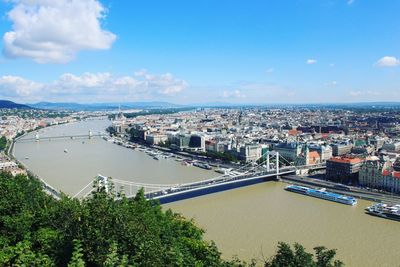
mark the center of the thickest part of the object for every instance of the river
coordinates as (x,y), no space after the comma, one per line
(72,171)
(247,222)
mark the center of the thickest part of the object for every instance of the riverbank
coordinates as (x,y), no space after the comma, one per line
(188,158)
(49,189)
(187,155)
(350,191)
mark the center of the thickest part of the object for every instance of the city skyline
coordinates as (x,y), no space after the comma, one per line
(264,52)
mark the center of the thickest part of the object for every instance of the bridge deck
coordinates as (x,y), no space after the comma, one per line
(49,138)
(221,184)
(209,186)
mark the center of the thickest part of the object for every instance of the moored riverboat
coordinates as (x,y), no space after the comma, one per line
(386,211)
(322,193)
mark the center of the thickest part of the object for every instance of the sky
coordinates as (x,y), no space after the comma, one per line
(200,51)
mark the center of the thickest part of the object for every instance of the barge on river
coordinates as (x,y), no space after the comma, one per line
(322,193)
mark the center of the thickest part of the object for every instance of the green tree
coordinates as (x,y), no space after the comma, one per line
(76,259)
(37,230)
(3,143)
(22,255)
(298,257)
(325,257)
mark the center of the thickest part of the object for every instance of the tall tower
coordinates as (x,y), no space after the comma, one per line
(307,154)
(240,118)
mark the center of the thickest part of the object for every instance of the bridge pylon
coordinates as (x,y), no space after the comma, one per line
(103,182)
(90,134)
(270,156)
(277,162)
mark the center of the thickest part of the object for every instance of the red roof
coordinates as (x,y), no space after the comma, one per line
(385,172)
(345,160)
(313,154)
(293,132)
(313,157)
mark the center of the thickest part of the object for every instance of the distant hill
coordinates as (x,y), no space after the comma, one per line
(216,104)
(376,104)
(102,106)
(160,105)
(58,106)
(152,104)
(10,104)
(302,105)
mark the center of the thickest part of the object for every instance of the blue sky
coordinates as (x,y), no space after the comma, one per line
(299,51)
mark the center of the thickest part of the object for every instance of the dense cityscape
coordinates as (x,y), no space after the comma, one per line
(360,148)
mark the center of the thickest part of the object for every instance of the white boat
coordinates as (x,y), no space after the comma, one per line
(223,170)
(322,193)
(386,211)
(65,151)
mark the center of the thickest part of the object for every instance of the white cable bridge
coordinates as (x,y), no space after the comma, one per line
(270,167)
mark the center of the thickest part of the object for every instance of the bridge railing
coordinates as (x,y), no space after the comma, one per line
(160,190)
(49,138)
(248,172)
(211,182)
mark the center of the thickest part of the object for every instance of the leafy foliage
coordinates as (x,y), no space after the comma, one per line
(98,231)
(3,143)
(298,257)
(37,230)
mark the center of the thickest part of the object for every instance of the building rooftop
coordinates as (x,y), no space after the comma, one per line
(396,174)
(350,160)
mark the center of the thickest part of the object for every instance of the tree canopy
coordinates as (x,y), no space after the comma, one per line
(102,230)
(3,143)
(298,257)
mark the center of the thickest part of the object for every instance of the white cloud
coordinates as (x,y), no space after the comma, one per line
(332,65)
(90,87)
(388,61)
(233,94)
(311,61)
(165,84)
(15,86)
(350,2)
(54,31)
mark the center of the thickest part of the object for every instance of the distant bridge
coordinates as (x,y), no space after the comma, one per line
(38,138)
(165,193)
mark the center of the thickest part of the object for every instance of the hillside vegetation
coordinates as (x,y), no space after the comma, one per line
(37,230)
